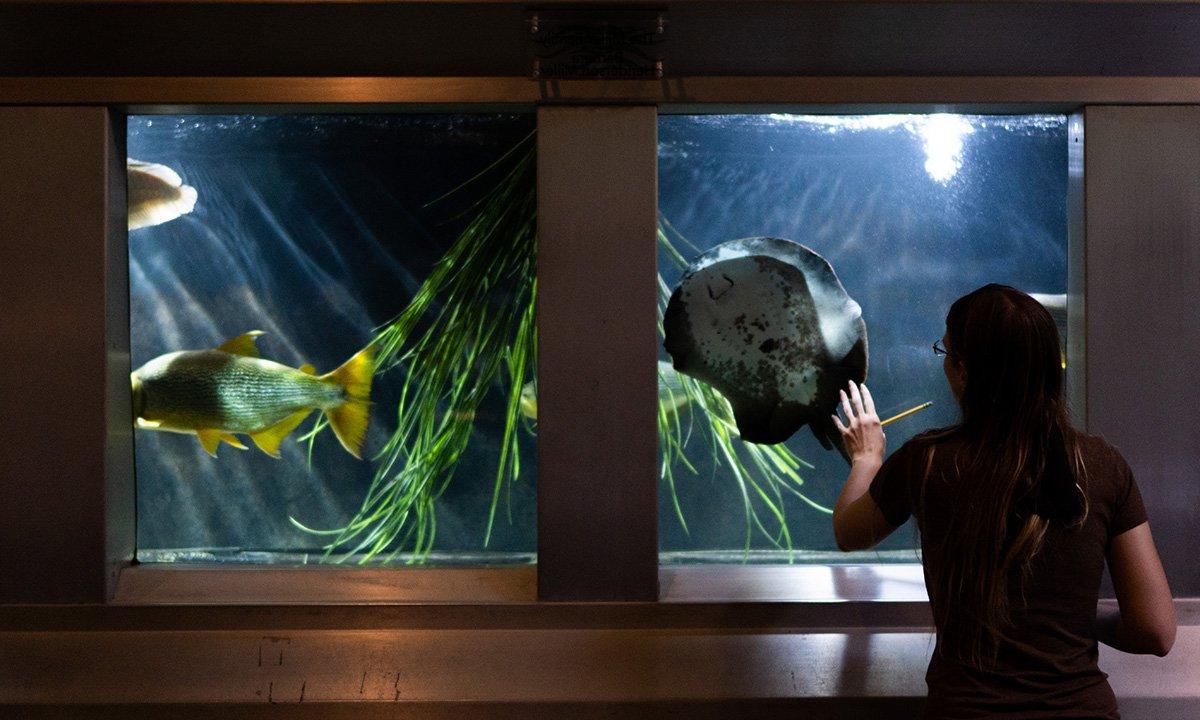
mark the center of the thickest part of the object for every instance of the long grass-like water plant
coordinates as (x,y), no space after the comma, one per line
(470,327)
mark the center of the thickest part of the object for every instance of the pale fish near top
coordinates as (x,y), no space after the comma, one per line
(671,395)
(217,393)
(156,194)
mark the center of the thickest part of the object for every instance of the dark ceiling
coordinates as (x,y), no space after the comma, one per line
(702,38)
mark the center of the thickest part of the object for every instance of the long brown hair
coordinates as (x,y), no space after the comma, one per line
(1019,472)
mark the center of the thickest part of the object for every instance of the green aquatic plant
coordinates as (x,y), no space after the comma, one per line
(471,326)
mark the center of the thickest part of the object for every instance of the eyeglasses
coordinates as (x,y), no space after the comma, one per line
(940,349)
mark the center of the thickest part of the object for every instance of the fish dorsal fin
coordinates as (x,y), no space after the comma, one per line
(242,344)
(209,440)
(268,440)
(308,369)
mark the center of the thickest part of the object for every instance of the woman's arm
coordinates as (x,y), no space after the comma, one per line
(1145,623)
(858,523)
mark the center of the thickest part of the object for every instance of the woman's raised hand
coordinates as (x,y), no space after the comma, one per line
(861,433)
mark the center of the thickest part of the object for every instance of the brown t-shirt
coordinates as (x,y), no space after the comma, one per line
(1046,667)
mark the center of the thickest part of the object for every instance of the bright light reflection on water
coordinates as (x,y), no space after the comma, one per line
(941,134)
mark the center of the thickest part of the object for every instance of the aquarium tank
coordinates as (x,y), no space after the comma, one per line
(332,337)
(911,212)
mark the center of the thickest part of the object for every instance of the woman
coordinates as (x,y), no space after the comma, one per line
(1017,513)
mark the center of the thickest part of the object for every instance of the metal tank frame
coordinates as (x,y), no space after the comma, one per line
(591,223)
(596,625)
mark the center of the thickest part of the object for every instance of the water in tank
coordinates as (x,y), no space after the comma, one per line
(332,322)
(909,212)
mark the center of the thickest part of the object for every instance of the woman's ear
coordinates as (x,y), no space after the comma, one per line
(957,375)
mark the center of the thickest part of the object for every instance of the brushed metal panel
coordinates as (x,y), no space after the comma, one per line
(696,586)
(878,583)
(1143,322)
(1004,94)
(188,584)
(120,492)
(471,665)
(597,346)
(535,668)
(64,330)
(1076,341)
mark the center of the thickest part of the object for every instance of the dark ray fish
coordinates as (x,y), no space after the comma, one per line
(767,323)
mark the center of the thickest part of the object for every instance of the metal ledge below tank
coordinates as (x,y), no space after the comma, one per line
(127,662)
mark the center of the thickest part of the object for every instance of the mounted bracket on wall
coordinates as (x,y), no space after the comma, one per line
(597,44)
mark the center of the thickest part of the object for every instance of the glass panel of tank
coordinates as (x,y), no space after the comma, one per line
(331,328)
(895,216)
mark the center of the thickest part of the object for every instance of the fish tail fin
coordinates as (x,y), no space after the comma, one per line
(164,210)
(186,202)
(349,420)
(271,438)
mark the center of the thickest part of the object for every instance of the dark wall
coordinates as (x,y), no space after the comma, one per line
(411,39)
(65,339)
(1143,277)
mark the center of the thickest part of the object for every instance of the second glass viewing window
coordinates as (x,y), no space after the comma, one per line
(908,212)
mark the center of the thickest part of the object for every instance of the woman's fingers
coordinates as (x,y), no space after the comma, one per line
(846,407)
(868,401)
(841,428)
(857,398)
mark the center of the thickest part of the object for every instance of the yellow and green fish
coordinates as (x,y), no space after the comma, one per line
(220,393)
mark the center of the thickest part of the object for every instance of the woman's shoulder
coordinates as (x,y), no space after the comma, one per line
(926,446)
(1098,451)
(1094,448)
(922,441)
(1102,460)
(1109,484)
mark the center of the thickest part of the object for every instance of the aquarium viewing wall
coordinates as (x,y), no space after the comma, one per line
(332,321)
(910,212)
(332,335)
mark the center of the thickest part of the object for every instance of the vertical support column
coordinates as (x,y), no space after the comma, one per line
(120,491)
(1076,374)
(1143,320)
(66,477)
(597,347)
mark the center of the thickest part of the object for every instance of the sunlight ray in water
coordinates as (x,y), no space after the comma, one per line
(304,229)
(942,137)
